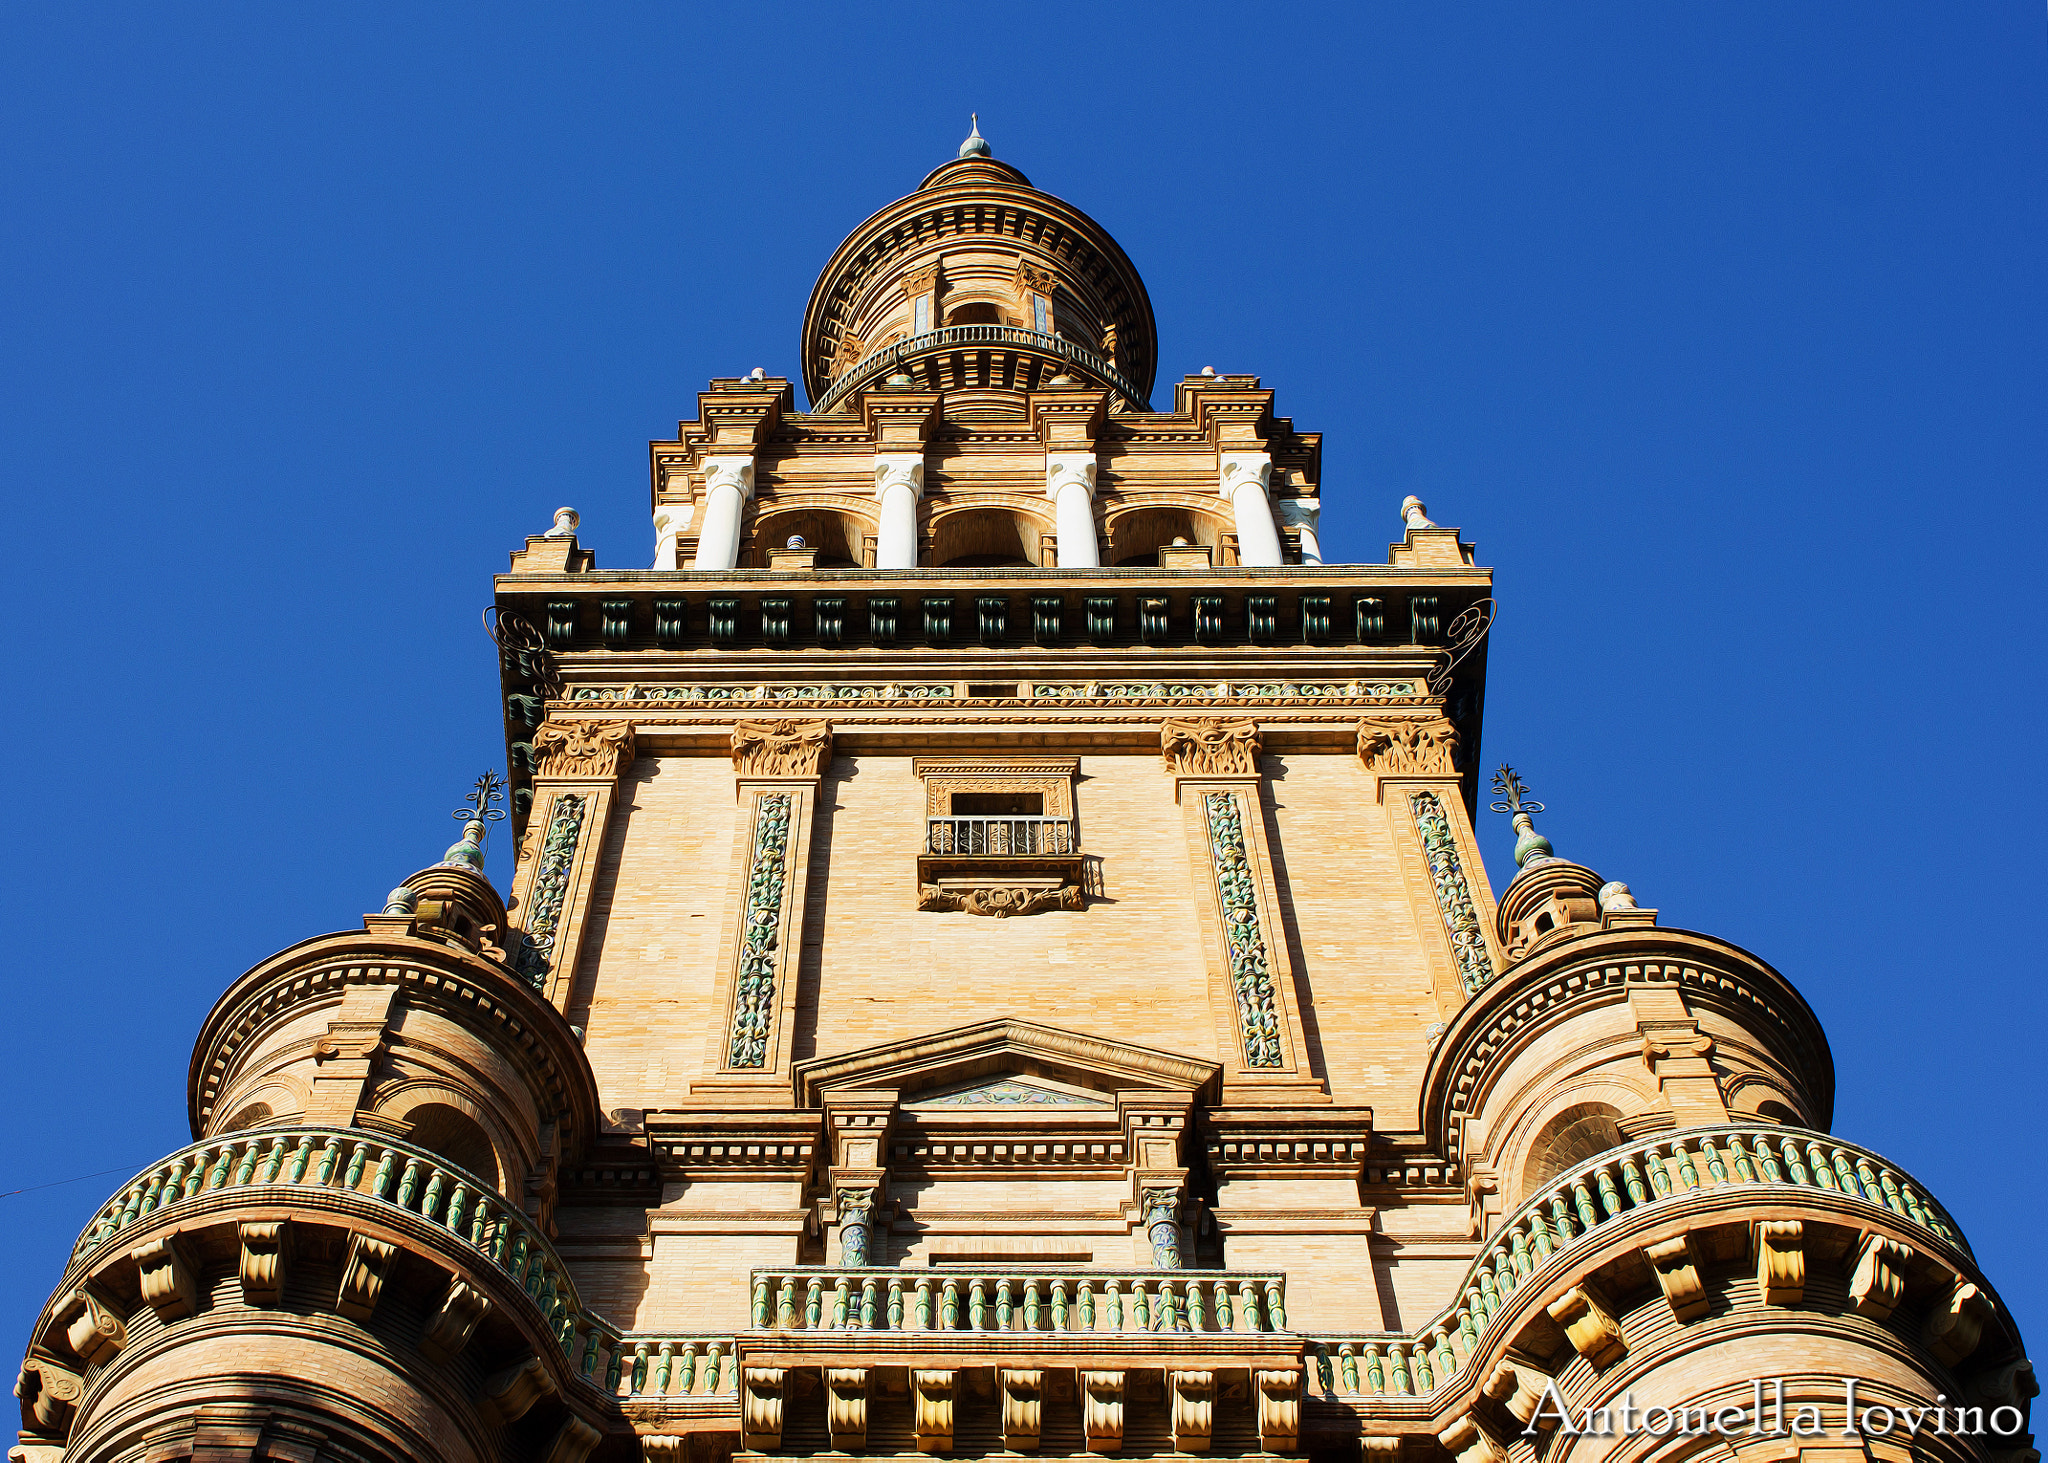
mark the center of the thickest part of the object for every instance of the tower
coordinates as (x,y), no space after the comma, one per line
(999,962)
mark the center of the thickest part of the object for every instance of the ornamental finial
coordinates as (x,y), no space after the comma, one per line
(566,520)
(1414,514)
(477,815)
(1531,847)
(975,145)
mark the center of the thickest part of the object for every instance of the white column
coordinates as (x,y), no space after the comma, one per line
(899,483)
(1301,514)
(1243,482)
(670,519)
(728,483)
(1070,483)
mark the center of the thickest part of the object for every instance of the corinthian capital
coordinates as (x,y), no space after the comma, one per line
(1242,469)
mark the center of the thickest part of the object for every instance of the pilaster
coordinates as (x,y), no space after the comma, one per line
(576,781)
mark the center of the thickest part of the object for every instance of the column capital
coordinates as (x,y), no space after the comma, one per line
(1070,469)
(732,471)
(1237,469)
(899,470)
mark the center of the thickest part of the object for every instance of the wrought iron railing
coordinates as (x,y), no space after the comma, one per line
(825,1298)
(999,836)
(1558,1218)
(954,337)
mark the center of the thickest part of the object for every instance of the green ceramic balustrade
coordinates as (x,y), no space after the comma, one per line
(273,1163)
(1645,1175)
(656,1364)
(825,1298)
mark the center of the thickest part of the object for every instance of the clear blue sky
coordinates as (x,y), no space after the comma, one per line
(1718,327)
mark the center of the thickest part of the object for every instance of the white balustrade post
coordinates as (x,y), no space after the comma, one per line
(1301,514)
(1070,483)
(899,483)
(669,522)
(1243,481)
(728,483)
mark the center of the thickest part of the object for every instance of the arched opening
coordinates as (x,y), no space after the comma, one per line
(836,537)
(1777,1112)
(1568,1140)
(255,1115)
(1136,538)
(985,538)
(980,312)
(455,1136)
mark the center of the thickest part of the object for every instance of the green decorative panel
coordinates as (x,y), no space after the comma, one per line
(1251,973)
(753,1002)
(550,886)
(1453,892)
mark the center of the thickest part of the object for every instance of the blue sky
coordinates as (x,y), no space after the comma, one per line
(1719,328)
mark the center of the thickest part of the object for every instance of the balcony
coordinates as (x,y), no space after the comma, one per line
(1000,865)
(1002,356)
(999,837)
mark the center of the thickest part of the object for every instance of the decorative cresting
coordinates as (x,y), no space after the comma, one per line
(848,1298)
(753,1013)
(586,749)
(781,748)
(273,1165)
(1251,972)
(1538,1242)
(551,886)
(1209,746)
(998,901)
(1453,892)
(1408,747)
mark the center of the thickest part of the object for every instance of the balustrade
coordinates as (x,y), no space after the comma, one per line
(1621,1181)
(1020,1301)
(953,337)
(999,836)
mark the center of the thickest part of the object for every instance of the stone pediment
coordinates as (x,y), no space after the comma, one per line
(1007,1062)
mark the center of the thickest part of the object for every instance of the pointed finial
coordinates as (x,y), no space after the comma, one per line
(1531,847)
(478,815)
(1413,514)
(975,145)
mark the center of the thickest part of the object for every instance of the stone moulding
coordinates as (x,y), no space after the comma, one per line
(1251,972)
(551,886)
(760,953)
(1453,892)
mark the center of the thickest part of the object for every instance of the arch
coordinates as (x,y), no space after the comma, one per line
(977,312)
(1138,534)
(986,537)
(255,1115)
(274,1098)
(1750,1096)
(445,1122)
(1570,1138)
(836,534)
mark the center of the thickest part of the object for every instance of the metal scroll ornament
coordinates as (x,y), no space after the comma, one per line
(550,887)
(1453,894)
(754,998)
(1251,973)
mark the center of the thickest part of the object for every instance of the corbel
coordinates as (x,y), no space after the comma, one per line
(1678,1275)
(1877,1278)
(266,1246)
(1781,1261)
(1102,1411)
(1468,1441)
(1023,1398)
(1589,1325)
(1955,1322)
(574,1441)
(509,1394)
(1519,1388)
(846,1408)
(1279,1394)
(761,1407)
(1192,1401)
(92,1328)
(49,1395)
(461,1310)
(362,1276)
(932,1405)
(168,1284)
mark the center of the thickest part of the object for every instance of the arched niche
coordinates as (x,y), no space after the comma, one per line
(837,535)
(982,538)
(445,1123)
(1568,1139)
(1137,535)
(977,312)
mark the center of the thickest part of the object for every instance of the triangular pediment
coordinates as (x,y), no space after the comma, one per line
(1007,1091)
(1010,1056)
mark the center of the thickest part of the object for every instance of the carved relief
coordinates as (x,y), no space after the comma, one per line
(1520,1390)
(462,1310)
(1209,746)
(781,748)
(49,1393)
(996,900)
(847,354)
(590,749)
(1781,1261)
(1467,1442)
(1453,893)
(1407,747)
(1678,1274)
(1878,1281)
(92,1329)
(753,1011)
(1033,279)
(846,1408)
(1251,974)
(1162,1226)
(550,886)
(509,1394)
(1955,1322)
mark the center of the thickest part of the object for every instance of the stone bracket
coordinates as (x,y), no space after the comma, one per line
(932,1405)
(362,1276)
(1678,1274)
(168,1284)
(1102,1411)
(1023,1402)
(761,1407)
(266,1247)
(1589,1325)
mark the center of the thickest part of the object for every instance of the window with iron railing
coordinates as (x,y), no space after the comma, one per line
(998,835)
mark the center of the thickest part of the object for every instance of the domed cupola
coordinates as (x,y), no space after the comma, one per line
(1550,898)
(978,281)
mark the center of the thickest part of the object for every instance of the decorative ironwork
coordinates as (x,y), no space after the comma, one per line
(1530,846)
(1466,631)
(753,1006)
(477,815)
(1251,974)
(550,886)
(1453,893)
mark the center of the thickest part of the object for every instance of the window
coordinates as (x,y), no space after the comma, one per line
(1041,314)
(921,315)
